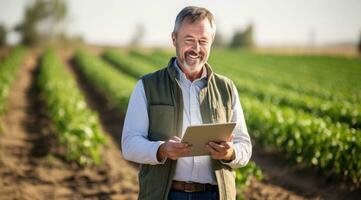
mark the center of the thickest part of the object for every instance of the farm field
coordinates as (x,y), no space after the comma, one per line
(62,110)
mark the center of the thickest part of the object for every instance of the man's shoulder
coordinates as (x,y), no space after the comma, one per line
(222,78)
(154,75)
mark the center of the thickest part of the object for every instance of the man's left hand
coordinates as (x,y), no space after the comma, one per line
(222,151)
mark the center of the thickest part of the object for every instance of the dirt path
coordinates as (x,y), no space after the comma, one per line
(30,166)
(283,180)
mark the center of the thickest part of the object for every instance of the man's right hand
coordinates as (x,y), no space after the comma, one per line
(172,149)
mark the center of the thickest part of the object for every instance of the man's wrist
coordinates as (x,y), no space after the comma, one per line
(160,153)
(232,157)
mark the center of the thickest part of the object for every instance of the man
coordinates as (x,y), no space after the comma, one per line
(164,103)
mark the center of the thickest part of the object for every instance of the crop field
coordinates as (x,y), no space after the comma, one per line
(62,112)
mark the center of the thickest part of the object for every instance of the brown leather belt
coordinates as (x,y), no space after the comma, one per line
(193,187)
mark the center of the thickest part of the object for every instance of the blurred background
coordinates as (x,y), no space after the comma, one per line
(325,24)
(68,67)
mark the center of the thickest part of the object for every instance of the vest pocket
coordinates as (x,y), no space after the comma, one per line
(161,122)
(153,181)
(222,114)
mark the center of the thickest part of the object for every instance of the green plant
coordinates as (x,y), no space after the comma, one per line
(8,69)
(77,127)
(116,85)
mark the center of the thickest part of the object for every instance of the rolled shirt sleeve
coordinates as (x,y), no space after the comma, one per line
(135,144)
(241,140)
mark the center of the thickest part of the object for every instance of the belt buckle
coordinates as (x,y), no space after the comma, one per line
(185,190)
(189,187)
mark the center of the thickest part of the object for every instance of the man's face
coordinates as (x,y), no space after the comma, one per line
(193,43)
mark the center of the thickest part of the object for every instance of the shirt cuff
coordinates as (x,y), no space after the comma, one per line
(235,160)
(156,161)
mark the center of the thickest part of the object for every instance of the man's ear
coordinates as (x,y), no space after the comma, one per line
(174,37)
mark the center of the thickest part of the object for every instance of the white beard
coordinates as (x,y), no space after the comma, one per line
(186,65)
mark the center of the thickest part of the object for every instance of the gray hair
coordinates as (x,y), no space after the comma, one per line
(194,13)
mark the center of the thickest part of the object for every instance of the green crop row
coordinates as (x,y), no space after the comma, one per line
(338,111)
(116,85)
(305,138)
(8,69)
(77,127)
(135,68)
(330,78)
(157,57)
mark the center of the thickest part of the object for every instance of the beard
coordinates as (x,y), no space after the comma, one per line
(193,60)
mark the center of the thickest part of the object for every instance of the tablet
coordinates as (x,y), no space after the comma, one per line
(199,135)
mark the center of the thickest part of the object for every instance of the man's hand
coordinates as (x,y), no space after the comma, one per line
(222,151)
(172,149)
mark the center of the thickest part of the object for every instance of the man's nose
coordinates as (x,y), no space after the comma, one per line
(196,46)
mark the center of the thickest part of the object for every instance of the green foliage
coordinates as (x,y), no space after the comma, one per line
(116,85)
(237,39)
(77,127)
(295,121)
(52,12)
(341,110)
(325,77)
(123,62)
(244,175)
(331,147)
(156,58)
(8,69)
(243,39)
(2,35)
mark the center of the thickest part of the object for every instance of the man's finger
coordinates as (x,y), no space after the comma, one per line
(178,145)
(226,145)
(179,152)
(211,150)
(176,138)
(231,137)
(217,147)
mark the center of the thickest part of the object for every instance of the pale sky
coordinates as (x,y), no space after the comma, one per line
(276,22)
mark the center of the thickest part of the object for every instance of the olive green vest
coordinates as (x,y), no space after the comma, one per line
(165,112)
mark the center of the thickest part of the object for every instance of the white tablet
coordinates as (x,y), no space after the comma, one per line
(200,135)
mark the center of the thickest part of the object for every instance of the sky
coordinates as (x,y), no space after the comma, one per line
(276,22)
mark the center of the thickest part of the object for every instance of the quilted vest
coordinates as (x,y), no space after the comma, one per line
(165,112)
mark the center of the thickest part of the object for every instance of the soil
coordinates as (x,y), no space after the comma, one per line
(32,167)
(287,180)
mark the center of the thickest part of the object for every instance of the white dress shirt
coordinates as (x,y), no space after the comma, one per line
(137,148)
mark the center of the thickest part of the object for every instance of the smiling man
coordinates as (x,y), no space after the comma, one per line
(164,103)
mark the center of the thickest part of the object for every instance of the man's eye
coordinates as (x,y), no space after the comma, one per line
(203,42)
